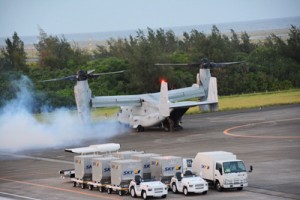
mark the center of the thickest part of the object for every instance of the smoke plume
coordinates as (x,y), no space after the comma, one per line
(20,130)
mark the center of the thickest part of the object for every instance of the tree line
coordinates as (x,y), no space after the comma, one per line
(271,64)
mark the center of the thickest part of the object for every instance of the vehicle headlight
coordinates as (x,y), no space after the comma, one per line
(226,181)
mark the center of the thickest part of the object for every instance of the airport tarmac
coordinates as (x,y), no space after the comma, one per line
(268,139)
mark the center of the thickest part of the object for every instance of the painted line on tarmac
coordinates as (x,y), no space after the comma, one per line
(60,189)
(15,195)
(226,132)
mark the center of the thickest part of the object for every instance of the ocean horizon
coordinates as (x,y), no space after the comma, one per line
(244,26)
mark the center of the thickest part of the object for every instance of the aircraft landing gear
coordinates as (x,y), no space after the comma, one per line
(140,128)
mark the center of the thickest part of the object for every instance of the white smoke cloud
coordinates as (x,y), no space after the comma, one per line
(20,130)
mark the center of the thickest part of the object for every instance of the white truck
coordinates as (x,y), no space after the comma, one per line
(147,188)
(222,169)
(188,183)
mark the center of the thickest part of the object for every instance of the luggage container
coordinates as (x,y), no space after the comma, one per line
(101,172)
(163,168)
(83,169)
(145,159)
(122,172)
(126,154)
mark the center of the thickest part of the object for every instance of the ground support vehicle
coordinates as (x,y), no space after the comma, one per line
(221,169)
(188,183)
(67,173)
(147,188)
(163,168)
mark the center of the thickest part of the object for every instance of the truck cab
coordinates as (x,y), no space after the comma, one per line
(231,174)
(188,183)
(147,188)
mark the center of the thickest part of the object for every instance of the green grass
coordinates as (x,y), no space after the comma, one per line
(255,100)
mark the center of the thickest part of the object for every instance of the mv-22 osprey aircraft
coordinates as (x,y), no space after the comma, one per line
(164,109)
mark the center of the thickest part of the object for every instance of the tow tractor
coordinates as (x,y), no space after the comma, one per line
(188,183)
(147,188)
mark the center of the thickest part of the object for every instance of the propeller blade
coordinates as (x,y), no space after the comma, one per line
(178,64)
(105,73)
(218,65)
(90,71)
(67,78)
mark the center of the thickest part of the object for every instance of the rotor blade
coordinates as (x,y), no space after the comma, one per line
(178,64)
(218,65)
(90,71)
(68,78)
(105,73)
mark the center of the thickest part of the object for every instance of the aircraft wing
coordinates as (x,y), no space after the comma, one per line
(121,100)
(186,93)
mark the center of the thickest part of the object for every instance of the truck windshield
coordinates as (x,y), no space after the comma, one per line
(234,167)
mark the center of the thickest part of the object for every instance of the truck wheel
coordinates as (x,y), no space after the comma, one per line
(90,187)
(120,192)
(109,191)
(185,191)
(132,192)
(218,186)
(82,185)
(164,196)
(74,184)
(205,192)
(101,189)
(144,195)
(240,188)
(174,188)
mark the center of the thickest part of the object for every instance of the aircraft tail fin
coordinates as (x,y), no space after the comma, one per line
(164,109)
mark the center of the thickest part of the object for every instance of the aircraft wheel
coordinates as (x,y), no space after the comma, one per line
(140,128)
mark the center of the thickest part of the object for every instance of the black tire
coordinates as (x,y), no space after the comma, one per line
(174,188)
(218,186)
(108,190)
(120,192)
(90,187)
(239,188)
(101,189)
(185,191)
(144,195)
(164,196)
(132,192)
(82,185)
(74,184)
(205,192)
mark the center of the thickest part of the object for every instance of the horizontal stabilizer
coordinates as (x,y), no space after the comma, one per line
(99,148)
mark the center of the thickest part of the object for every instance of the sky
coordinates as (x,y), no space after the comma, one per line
(84,16)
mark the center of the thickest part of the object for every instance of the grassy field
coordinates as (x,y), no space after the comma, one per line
(255,100)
